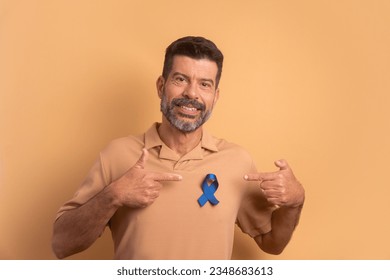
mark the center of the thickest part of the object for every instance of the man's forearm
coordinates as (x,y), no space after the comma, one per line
(77,229)
(284,222)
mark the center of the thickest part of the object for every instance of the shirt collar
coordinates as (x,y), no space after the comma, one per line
(152,140)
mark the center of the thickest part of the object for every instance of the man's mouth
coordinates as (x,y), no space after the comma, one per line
(185,114)
(188,107)
(193,109)
(188,111)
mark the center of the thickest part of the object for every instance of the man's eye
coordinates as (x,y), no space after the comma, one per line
(180,79)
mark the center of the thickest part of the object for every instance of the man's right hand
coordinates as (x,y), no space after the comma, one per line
(138,187)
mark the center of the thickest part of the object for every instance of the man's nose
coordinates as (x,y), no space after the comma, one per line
(191,91)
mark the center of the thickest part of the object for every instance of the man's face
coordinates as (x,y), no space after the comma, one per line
(189,94)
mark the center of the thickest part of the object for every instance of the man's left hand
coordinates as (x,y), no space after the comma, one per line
(280,188)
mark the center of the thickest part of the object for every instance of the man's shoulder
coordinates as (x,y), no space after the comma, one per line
(124,144)
(232,148)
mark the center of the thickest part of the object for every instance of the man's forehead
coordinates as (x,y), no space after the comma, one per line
(203,65)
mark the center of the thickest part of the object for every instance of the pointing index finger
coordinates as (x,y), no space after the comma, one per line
(166,177)
(253,177)
(261,176)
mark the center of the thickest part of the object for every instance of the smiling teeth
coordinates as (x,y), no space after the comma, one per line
(188,108)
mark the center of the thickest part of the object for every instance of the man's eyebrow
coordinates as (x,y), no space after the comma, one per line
(188,78)
(181,74)
(208,80)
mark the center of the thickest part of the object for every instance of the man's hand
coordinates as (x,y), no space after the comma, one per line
(138,187)
(280,188)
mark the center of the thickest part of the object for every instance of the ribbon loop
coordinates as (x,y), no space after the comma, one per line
(209,187)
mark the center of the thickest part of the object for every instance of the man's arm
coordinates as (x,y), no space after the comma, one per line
(284,220)
(282,189)
(77,229)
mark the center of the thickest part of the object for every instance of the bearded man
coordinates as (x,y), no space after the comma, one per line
(176,192)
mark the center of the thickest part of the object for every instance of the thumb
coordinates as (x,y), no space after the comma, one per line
(282,164)
(140,164)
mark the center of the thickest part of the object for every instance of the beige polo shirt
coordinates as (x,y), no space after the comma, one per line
(175,226)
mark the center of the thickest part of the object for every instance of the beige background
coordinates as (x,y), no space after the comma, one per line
(303,80)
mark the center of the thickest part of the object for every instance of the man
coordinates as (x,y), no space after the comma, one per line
(176,192)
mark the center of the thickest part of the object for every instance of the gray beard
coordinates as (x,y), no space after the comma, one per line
(184,126)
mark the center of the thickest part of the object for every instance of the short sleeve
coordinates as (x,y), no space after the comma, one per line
(255,213)
(91,186)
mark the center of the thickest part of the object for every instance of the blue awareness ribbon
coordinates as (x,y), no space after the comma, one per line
(209,187)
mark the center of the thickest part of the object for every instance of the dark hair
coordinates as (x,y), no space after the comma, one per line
(196,48)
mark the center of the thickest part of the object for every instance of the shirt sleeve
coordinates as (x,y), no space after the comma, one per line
(255,213)
(91,186)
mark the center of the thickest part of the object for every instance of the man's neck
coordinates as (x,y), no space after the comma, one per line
(178,141)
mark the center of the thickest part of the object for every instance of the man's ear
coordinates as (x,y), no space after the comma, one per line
(160,86)
(216,96)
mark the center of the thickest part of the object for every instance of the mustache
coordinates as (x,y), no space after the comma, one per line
(186,102)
